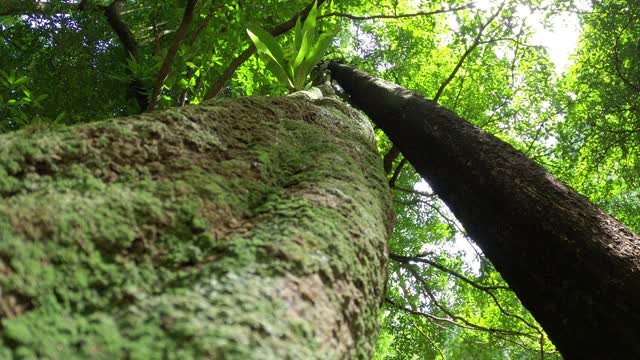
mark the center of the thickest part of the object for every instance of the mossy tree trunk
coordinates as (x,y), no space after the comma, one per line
(573,266)
(239,229)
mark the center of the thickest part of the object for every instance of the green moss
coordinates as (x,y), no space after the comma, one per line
(237,229)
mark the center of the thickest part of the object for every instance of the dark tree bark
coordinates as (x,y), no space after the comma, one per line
(573,266)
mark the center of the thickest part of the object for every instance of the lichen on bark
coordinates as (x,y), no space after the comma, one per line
(246,228)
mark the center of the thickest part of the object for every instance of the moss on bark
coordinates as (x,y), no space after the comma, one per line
(247,228)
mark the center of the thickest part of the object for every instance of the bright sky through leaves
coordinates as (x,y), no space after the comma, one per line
(560,35)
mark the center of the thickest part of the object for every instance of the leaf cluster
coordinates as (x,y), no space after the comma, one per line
(292,65)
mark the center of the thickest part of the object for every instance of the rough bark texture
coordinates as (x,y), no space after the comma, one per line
(240,229)
(574,267)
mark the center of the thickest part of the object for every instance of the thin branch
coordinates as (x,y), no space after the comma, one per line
(171,54)
(468,52)
(427,315)
(421,259)
(415,192)
(454,224)
(429,339)
(455,317)
(396,173)
(182,99)
(203,25)
(246,54)
(485,289)
(396,16)
(541,126)
(451,222)
(616,53)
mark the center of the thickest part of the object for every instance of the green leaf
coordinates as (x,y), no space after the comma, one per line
(318,51)
(306,43)
(300,76)
(12,77)
(60,116)
(297,35)
(279,73)
(21,81)
(309,33)
(310,21)
(266,44)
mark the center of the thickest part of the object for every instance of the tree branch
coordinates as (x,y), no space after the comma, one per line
(415,192)
(616,54)
(389,158)
(182,99)
(121,29)
(468,52)
(130,46)
(397,172)
(456,318)
(397,16)
(486,289)
(421,259)
(171,54)
(246,54)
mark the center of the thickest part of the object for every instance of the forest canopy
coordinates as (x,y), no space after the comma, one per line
(66,62)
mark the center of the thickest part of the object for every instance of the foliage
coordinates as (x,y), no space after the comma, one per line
(599,140)
(292,67)
(582,124)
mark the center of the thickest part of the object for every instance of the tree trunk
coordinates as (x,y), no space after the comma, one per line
(574,267)
(239,229)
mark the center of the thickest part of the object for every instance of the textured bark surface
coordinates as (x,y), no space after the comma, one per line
(574,267)
(244,229)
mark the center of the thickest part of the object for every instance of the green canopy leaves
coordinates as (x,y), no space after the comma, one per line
(64,62)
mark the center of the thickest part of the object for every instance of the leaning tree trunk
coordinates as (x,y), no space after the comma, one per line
(574,267)
(239,229)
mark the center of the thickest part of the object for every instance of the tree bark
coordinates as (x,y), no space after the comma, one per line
(574,267)
(253,228)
